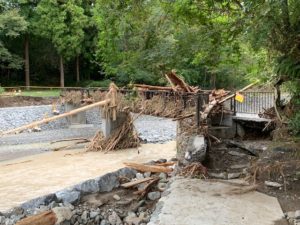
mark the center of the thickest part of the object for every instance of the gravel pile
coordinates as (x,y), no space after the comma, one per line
(13,117)
(150,129)
(153,129)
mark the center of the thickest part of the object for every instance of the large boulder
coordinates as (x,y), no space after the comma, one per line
(195,148)
(89,186)
(69,196)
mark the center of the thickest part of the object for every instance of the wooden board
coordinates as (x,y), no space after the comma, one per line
(136,182)
(149,168)
(45,218)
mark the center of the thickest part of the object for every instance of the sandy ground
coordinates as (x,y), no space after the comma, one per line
(32,176)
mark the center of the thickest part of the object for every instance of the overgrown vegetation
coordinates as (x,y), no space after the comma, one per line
(211,43)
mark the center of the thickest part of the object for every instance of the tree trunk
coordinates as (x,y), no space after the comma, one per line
(27,71)
(77,69)
(62,74)
(213,81)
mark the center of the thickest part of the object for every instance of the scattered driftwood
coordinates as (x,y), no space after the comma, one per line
(178,84)
(269,113)
(136,182)
(150,87)
(45,218)
(148,168)
(195,169)
(216,98)
(183,116)
(232,143)
(70,139)
(123,137)
(71,145)
(147,188)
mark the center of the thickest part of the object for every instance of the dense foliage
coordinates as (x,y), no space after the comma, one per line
(211,43)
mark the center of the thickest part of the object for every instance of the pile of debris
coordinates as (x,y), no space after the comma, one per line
(123,137)
(177,85)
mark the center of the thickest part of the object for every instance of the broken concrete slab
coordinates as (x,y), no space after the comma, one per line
(200,202)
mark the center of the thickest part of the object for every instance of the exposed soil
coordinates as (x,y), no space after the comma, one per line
(277,162)
(281,163)
(15,101)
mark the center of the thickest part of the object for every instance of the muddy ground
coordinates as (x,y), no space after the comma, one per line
(37,175)
(276,162)
(15,101)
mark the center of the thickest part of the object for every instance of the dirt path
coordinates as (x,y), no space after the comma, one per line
(36,175)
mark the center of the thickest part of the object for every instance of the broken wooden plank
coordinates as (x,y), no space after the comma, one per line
(166,164)
(69,139)
(147,188)
(45,218)
(150,87)
(136,182)
(148,168)
(175,81)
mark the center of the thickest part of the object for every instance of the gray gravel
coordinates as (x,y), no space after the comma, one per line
(13,117)
(153,129)
(150,129)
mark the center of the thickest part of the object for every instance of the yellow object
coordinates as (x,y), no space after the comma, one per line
(239,97)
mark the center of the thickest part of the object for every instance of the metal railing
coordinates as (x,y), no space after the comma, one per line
(254,102)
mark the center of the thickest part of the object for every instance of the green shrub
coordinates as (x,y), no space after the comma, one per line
(1,90)
(94,83)
(100,83)
(294,124)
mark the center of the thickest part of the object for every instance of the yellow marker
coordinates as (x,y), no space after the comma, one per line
(239,97)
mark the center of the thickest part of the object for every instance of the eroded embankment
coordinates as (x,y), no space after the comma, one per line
(37,175)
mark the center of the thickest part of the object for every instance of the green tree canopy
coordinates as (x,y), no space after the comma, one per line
(12,24)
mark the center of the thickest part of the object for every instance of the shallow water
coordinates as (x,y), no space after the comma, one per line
(32,176)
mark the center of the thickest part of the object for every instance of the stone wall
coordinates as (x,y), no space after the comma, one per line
(68,197)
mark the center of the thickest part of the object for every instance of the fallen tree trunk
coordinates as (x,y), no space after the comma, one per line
(208,109)
(46,120)
(150,87)
(148,168)
(175,81)
(46,218)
